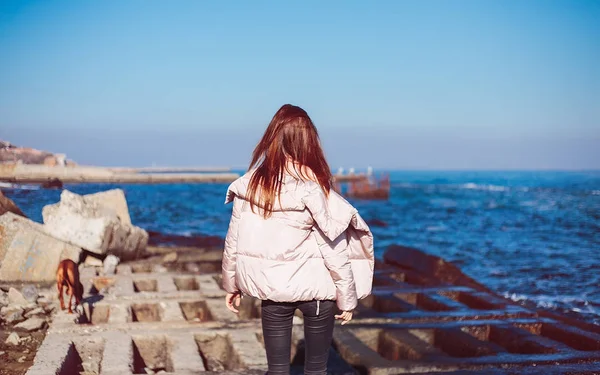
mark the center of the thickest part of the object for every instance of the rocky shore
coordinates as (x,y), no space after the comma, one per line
(11,154)
(23,165)
(153,303)
(24,319)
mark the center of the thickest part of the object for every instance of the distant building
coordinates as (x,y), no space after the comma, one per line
(61,159)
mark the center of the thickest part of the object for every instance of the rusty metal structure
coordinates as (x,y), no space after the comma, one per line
(364,186)
(426,317)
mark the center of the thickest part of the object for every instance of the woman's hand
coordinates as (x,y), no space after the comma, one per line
(232,299)
(345,316)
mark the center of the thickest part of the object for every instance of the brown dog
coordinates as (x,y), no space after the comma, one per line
(67,275)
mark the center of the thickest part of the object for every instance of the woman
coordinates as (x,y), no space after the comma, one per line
(294,243)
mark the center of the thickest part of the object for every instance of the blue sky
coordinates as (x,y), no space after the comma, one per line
(396,84)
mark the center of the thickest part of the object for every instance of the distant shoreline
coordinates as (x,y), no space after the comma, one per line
(41,174)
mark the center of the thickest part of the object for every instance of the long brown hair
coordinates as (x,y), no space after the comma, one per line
(291,137)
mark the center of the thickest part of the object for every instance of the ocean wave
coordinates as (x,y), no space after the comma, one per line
(405,185)
(8,185)
(528,203)
(436,228)
(473,186)
(575,304)
(466,186)
(595,192)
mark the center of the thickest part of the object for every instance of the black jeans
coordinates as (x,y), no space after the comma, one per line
(318,331)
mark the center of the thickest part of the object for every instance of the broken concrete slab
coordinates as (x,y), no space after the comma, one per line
(32,324)
(3,299)
(170,257)
(16,298)
(13,339)
(11,314)
(90,233)
(110,264)
(115,199)
(92,261)
(30,293)
(94,226)
(28,253)
(34,312)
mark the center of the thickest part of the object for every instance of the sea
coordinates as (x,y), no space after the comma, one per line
(531,236)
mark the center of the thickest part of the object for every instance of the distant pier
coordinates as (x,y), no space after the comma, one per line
(42,174)
(39,174)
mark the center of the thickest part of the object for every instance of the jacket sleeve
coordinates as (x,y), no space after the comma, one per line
(332,225)
(230,249)
(335,255)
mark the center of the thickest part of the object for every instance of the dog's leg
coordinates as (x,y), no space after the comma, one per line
(60,295)
(71,300)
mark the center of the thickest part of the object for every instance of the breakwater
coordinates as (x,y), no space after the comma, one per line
(530,236)
(166,313)
(41,174)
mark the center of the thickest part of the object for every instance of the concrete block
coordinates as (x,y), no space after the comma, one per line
(92,261)
(165,284)
(99,223)
(248,349)
(16,298)
(171,312)
(118,354)
(90,233)
(115,199)
(27,253)
(184,354)
(110,265)
(119,314)
(52,356)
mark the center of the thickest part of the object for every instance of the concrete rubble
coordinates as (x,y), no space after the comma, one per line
(17,298)
(28,253)
(18,312)
(29,293)
(13,339)
(32,324)
(109,266)
(98,223)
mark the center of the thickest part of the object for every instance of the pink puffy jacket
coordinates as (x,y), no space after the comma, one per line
(312,247)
